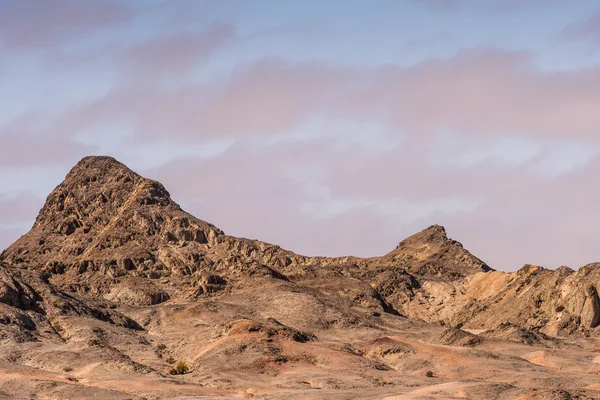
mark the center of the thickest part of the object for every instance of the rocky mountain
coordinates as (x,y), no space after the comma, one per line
(115,284)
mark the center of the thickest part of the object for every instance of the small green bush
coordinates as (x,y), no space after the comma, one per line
(161,347)
(429,374)
(170,360)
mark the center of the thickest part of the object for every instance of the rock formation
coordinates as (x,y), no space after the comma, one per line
(113,268)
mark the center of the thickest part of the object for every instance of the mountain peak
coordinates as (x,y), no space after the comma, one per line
(436,254)
(98,168)
(435,234)
(105,211)
(98,184)
(97,161)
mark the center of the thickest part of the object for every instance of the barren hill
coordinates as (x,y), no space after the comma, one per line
(115,283)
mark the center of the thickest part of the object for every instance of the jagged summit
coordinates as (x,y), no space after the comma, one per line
(430,252)
(103,212)
(106,164)
(98,183)
(434,234)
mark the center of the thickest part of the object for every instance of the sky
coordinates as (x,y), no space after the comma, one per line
(331,128)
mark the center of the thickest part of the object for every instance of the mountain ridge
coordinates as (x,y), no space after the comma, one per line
(106,222)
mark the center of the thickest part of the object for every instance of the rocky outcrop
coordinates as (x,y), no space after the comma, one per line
(31,307)
(432,255)
(106,218)
(106,227)
(458,337)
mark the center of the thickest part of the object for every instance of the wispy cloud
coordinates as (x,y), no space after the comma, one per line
(478,92)
(588,29)
(32,24)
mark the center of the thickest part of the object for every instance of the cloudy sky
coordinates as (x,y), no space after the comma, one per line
(328,127)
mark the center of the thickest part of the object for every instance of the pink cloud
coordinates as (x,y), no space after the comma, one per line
(268,97)
(175,55)
(477,92)
(21,208)
(21,148)
(587,29)
(9,236)
(486,91)
(16,216)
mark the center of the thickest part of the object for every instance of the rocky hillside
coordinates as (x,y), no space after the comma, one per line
(109,232)
(115,269)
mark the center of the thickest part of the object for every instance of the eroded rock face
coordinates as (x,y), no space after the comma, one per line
(559,302)
(106,217)
(590,313)
(29,303)
(432,255)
